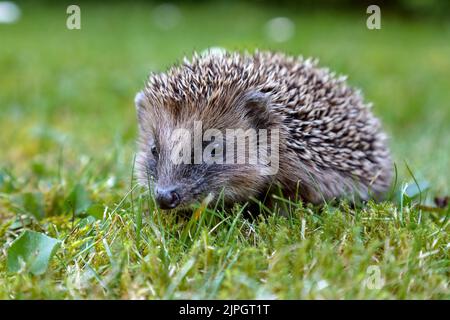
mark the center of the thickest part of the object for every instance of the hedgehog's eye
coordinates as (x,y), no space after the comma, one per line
(154,151)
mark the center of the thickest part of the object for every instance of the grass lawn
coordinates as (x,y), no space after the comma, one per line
(67,145)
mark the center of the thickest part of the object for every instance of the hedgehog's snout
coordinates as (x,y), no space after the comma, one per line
(167,197)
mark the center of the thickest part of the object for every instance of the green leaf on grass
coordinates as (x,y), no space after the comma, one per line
(413,190)
(33,249)
(78,200)
(32,203)
(7,182)
(2,179)
(96,211)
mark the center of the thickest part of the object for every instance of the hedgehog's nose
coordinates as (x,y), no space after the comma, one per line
(167,198)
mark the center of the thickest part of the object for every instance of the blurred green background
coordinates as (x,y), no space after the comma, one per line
(67,141)
(66,96)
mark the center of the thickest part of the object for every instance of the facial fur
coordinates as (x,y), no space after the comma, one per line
(159,119)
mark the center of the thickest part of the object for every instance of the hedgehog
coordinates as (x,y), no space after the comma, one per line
(328,144)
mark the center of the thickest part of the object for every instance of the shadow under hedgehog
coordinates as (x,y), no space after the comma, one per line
(328,145)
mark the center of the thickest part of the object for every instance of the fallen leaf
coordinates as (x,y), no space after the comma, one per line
(34,249)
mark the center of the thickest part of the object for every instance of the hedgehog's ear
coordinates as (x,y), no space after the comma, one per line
(139,102)
(256,106)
